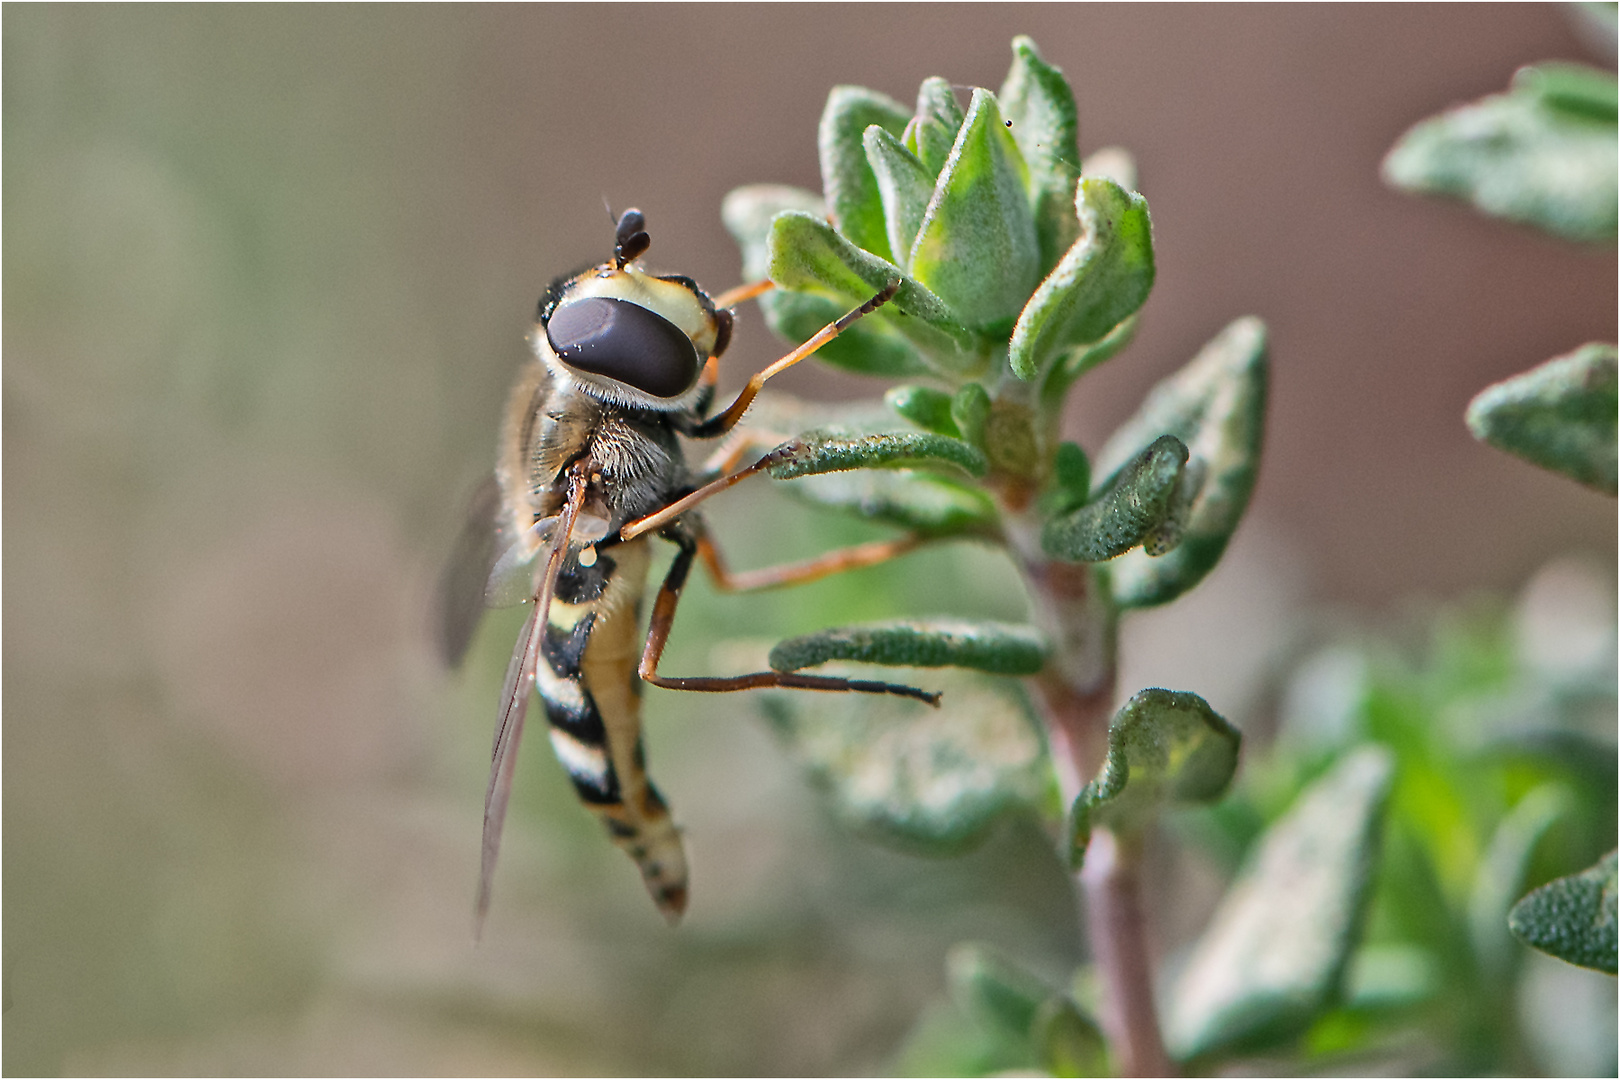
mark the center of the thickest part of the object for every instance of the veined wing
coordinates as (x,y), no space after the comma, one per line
(458,602)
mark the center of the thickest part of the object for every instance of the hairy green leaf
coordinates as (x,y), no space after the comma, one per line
(970,411)
(932,132)
(807,254)
(822,452)
(1277,949)
(977,247)
(870,346)
(1559,415)
(932,780)
(997,648)
(1544,153)
(1046,127)
(1573,918)
(1071,479)
(1163,746)
(846,177)
(1216,405)
(923,502)
(905,186)
(924,406)
(1500,876)
(1081,359)
(1103,278)
(1136,501)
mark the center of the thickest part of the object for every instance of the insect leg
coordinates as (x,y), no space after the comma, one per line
(519,687)
(724,422)
(741,293)
(824,565)
(663,617)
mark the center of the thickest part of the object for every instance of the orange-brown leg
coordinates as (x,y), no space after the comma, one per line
(743,293)
(663,617)
(797,573)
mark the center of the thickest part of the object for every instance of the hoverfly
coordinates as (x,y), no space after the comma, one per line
(590,465)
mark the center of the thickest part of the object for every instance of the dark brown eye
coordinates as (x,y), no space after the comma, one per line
(625,342)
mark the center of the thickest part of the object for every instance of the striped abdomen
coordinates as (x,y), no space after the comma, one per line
(586,675)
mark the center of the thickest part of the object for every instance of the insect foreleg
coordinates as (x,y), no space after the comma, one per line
(724,422)
(824,565)
(742,293)
(663,617)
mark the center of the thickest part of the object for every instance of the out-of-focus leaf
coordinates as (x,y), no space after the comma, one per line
(822,452)
(1067,1042)
(924,406)
(993,989)
(1277,949)
(1081,359)
(1103,278)
(997,648)
(905,186)
(1573,918)
(1046,126)
(807,254)
(932,780)
(922,502)
(970,411)
(1163,746)
(932,132)
(846,177)
(1136,502)
(870,346)
(1544,153)
(1216,405)
(977,247)
(1559,415)
(1009,438)
(1500,877)
(1071,480)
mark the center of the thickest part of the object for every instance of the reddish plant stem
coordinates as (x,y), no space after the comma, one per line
(1076,692)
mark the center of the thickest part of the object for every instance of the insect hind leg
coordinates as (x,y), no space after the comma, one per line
(663,618)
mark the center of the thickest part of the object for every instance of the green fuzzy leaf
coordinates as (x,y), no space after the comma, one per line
(1544,153)
(1077,361)
(822,452)
(922,502)
(1071,473)
(1136,501)
(996,648)
(930,780)
(1067,1042)
(933,131)
(846,177)
(1046,127)
(1163,746)
(904,184)
(807,254)
(1573,918)
(924,406)
(1277,949)
(1216,405)
(1103,278)
(977,247)
(1559,415)
(970,411)
(869,347)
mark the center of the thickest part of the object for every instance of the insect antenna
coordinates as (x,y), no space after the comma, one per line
(630,238)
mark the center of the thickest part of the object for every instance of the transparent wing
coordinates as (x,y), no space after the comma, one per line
(459,599)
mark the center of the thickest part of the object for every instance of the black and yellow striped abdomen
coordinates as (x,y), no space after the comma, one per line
(586,675)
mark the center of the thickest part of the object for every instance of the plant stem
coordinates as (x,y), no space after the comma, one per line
(1076,694)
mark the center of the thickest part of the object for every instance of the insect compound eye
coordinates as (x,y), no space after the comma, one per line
(625,342)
